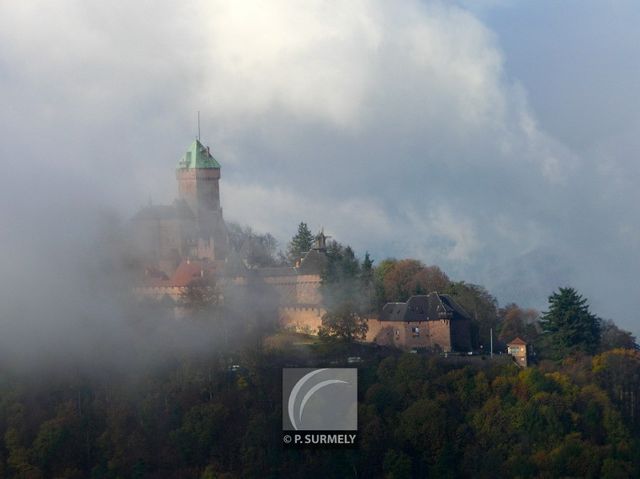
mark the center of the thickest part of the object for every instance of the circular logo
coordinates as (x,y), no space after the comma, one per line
(296,405)
(286,439)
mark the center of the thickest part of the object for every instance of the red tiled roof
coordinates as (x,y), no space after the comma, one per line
(186,272)
(518,341)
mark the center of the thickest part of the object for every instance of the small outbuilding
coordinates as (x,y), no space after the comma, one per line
(519,349)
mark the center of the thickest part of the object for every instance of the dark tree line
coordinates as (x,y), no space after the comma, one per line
(419,416)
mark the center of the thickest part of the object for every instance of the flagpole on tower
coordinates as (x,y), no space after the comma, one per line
(198,125)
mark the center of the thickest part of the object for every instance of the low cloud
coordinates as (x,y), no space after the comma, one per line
(400,128)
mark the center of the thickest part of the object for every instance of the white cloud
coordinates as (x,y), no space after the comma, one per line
(397,126)
(310,60)
(440,230)
(278,210)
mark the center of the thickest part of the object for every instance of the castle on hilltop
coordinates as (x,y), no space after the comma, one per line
(182,243)
(185,242)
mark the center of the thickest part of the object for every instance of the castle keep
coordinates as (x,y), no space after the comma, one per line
(193,226)
(186,242)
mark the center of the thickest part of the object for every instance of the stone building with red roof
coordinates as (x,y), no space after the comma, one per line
(432,321)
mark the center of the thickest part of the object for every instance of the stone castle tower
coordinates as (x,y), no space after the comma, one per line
(193,226)
(198,175)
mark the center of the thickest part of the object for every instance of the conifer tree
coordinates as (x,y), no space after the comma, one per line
(568,325)
(345,294)
(367,267)
(367,284)
(300,243)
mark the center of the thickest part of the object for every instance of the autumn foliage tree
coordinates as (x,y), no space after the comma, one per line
(618,372)
(344,322)
(515,321)
(401,279)
(613,337)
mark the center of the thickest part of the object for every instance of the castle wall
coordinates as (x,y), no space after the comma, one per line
(157,238)
(401,334)
(386,333)
(159,292)
(378,332)
(301,311)
(308,289)
(417,334)
(300,300)
(285,288)
(440,334)
(302,289)
(305,320)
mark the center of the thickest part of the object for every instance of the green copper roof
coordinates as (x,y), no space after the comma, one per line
(198,156)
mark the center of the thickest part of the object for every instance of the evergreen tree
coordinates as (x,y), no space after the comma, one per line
(569,326)
(367,284)
(300,243)
(367,268)
(347,290)
(340,278)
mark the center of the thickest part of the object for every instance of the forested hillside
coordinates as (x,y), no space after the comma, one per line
(201,397)
(419,416)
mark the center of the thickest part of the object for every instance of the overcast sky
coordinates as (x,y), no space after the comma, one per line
(497,139)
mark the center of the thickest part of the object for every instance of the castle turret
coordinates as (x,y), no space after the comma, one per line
(198,175)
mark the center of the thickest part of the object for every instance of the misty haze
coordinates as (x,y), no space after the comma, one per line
(198,196)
